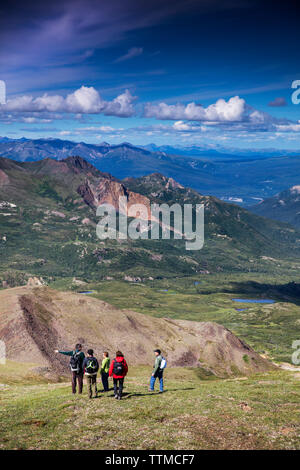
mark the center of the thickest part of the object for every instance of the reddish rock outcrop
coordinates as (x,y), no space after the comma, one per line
(108,192)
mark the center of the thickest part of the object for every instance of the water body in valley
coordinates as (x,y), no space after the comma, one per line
(255,301)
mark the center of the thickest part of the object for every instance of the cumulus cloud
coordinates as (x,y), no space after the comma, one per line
(232,115)
(222,111)
(130,54)
(85,100)
(121,105)
(257,117)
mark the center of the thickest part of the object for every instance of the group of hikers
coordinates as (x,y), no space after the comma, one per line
(88,367)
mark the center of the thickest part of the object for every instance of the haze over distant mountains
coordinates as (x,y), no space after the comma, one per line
(219,152)
(243,177)
(284,206)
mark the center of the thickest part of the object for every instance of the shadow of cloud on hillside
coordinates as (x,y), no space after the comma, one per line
(289,292)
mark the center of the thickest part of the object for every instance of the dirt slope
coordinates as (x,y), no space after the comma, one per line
(35,321)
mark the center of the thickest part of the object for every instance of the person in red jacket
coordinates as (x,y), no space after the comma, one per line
(118,369)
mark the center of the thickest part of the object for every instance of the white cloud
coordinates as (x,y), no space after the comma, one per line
(233,115)
(29,120)
(222,111)
(2,92)
(65,133)
(121,105)
(182,126)
(85,100)
(291,127)
(257,117)
(99,129)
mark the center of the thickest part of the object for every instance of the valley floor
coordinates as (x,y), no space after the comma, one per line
(258,412)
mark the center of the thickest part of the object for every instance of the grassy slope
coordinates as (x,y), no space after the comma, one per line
(250,413)
(192,410)
(35,240)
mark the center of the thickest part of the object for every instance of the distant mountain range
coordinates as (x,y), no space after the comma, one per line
(284,206)
(217,152)
(238,178)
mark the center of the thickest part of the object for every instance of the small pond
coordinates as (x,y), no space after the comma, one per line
(255,301)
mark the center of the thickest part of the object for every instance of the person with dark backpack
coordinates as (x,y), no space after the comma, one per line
(76,366)
(118,370)
(91,367)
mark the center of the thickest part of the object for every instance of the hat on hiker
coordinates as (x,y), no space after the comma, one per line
(158,351)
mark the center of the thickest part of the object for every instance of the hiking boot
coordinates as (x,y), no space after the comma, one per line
(116,397)
(119,398)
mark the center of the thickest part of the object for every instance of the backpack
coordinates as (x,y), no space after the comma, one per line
(75,362)
(118,368)
(163,363)
(91,366)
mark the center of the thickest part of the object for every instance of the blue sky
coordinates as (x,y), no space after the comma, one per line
(186,72)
